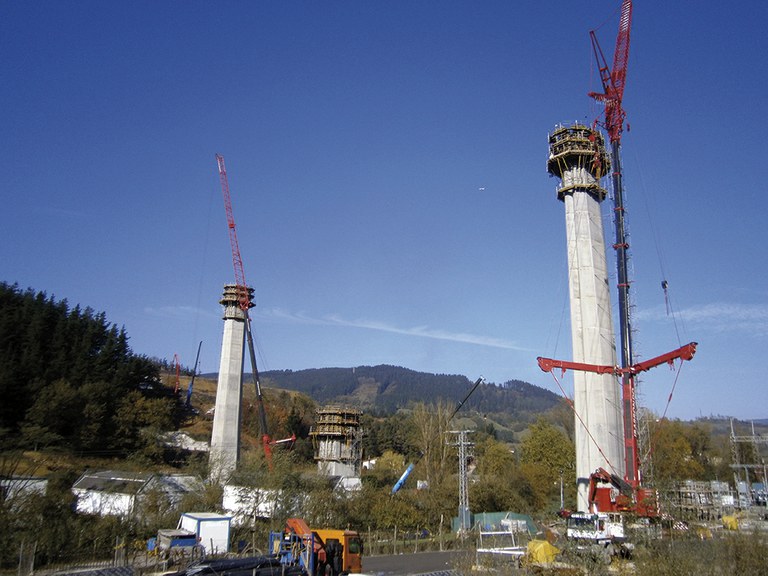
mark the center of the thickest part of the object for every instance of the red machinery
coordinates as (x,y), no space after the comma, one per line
(607,491)
(613,497)
(613,81)
(245,304)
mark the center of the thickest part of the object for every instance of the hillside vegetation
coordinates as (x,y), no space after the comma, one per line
(384,389)
(69,380)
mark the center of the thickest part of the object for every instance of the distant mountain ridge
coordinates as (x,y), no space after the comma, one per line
(385,388)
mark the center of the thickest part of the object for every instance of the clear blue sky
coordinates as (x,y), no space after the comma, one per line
(387,167)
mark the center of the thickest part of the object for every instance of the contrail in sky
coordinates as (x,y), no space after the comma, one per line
(719,317)
(420,331)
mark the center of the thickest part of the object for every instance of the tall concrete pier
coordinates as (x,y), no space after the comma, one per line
(225,438)
(577,156)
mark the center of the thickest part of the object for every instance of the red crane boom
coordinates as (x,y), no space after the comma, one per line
(612,96)
(245,304)
(237,260)
(613,80)
(683,353)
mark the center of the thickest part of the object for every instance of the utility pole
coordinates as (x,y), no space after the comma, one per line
(465,516)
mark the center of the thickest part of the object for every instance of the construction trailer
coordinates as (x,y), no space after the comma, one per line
(211,530)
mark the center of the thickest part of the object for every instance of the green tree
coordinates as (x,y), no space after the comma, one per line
(495,458)
(502,485)
(548,459)
(62,372)
(512,492)
(699,437)
(57,410)
(401,511)
(672,454)
(138,420)
(430,423)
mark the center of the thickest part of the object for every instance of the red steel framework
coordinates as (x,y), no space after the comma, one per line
(245,304)
(237,260)
(613,83)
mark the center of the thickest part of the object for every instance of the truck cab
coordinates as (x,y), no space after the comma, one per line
(343,548)
(319,551)
(599,527)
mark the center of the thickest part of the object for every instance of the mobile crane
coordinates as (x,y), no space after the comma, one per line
(609,493)
(317,551)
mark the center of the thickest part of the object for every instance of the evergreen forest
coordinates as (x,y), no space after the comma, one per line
(69,380)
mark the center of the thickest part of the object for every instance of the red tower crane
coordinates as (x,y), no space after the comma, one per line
(245,304)
(613,80)
(613,83)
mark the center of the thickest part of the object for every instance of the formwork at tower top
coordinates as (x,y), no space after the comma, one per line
(337,440)
(577,155)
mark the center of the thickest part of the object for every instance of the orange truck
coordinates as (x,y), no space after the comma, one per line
(319,551)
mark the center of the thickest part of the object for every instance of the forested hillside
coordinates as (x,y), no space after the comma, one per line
(383,389)
(69,379)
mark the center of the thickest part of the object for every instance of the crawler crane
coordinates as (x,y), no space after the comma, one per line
(607,492)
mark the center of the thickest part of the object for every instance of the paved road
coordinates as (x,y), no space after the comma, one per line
(423,563)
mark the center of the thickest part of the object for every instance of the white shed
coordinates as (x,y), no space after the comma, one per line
(109,492)
(119,493)
(246,502)
(212,530)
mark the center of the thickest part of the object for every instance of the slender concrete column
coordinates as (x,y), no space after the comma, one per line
(225,438)
(578,158)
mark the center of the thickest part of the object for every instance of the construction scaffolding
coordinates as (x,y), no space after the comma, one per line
(337,440)
(703,501)
(749,467)
(577,155)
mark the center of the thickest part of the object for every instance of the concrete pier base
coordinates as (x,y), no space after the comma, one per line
(225,438)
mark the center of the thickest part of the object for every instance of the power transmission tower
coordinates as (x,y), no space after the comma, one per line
(465,453)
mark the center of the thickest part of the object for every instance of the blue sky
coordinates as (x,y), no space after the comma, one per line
(387,162)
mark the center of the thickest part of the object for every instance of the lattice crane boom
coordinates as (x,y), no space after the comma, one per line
(237,260)
(614,80)
(245,303)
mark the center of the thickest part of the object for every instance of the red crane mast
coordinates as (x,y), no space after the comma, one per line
(613,82)
(245,304)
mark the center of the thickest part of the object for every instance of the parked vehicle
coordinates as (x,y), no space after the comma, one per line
(319,551)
